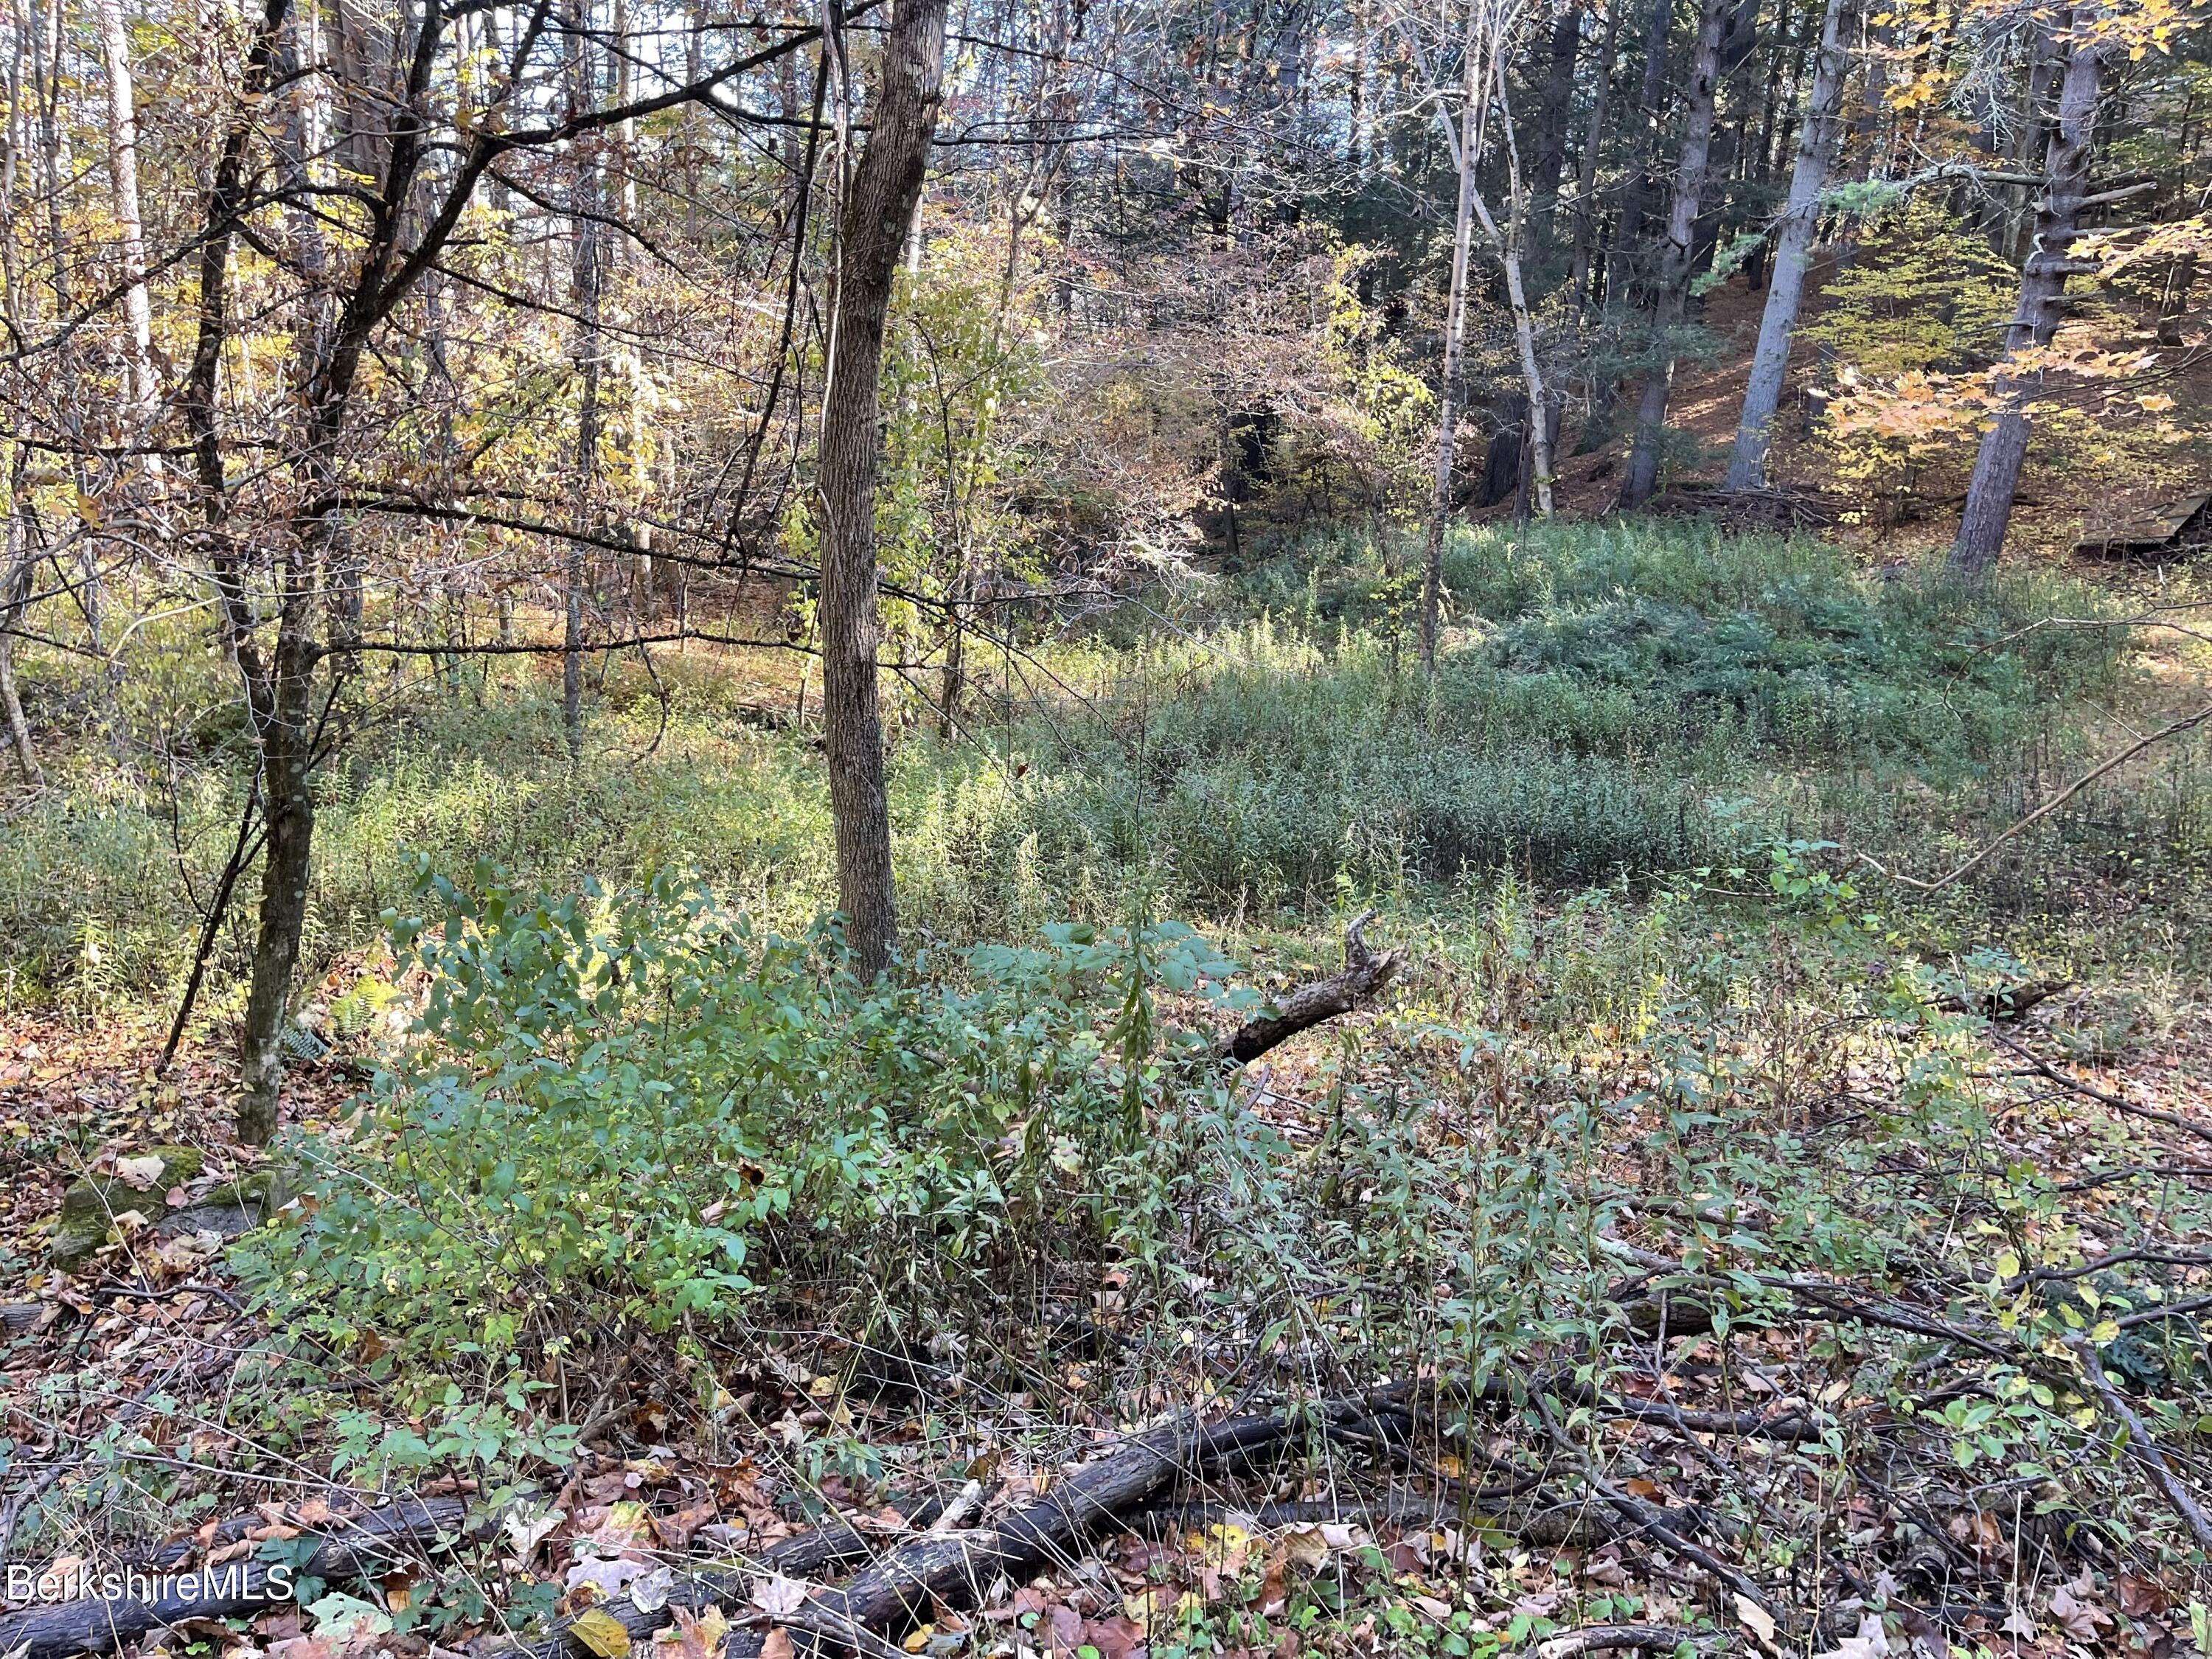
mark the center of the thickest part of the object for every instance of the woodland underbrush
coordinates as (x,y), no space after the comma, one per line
(1744,1242)
(1640,702)
(1726,1212)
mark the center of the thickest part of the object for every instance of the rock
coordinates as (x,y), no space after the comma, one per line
(90,1206)
(234,1208)
(178,1164)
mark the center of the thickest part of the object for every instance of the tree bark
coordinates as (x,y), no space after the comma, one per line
(14,596)
(885,190)
(1365,973)
(1593,146)
(1793,246)
(144,392)
(585,289)
(1509,244)
(262,1058)
(1554,108)
(287,722)
(1643,183)
(1433,567)
(1625,280)
(1675,255)
(2035,320)
(367,1545)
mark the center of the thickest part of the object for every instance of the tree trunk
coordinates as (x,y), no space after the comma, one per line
(1509,245)
(123,167)
(1360,137)
(1593,146)
(1552,111)
(277,946)
(45,42)
(585,288)
(1625,279)
(1674,257)
(287,736)
(1793,246)
(2042,290)
(1628,232)
(1432,568)
(14,598)
(886,189)
(1739,41)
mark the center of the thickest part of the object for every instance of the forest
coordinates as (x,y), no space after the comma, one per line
(1106,828)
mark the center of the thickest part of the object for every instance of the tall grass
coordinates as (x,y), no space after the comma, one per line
(1616,700)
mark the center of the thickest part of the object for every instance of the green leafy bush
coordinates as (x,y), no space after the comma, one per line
(1633,698)
(638,1101)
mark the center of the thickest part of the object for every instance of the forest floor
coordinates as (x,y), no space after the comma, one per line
(1752,1256)
(1715,1448)
(2111,463)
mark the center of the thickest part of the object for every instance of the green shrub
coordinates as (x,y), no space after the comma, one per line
(1634,697)
(639,1102)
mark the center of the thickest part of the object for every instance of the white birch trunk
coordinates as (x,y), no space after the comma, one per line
(1455,335)
(144,393)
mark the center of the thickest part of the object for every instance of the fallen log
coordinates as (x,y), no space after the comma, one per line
(958,1568)
(835,1543)
(157,1593)
(1366,972)
(2007,1002)
(144,1603)
(955,1567)
(1618,1638)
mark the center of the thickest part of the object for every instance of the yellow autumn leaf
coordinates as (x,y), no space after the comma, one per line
(602,1633)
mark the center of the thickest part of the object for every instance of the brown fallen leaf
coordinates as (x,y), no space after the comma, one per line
(2078,1617)
(2142,1598)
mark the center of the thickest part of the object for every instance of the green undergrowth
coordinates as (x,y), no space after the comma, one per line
(633,1116)
(1640,700)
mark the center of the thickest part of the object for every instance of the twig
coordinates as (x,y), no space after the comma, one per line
(241,855)
(2184,724)
(2144,1448)
(2103,1096)
(1644,1515)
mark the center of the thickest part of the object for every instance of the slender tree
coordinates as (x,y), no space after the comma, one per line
(1793,246)
(1466,150)
(1511,245)
(878,211)
(145,391)
(1548,160)
(16,573)
(1593,148)
(1676,254)
(587,211)
(2043,276)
